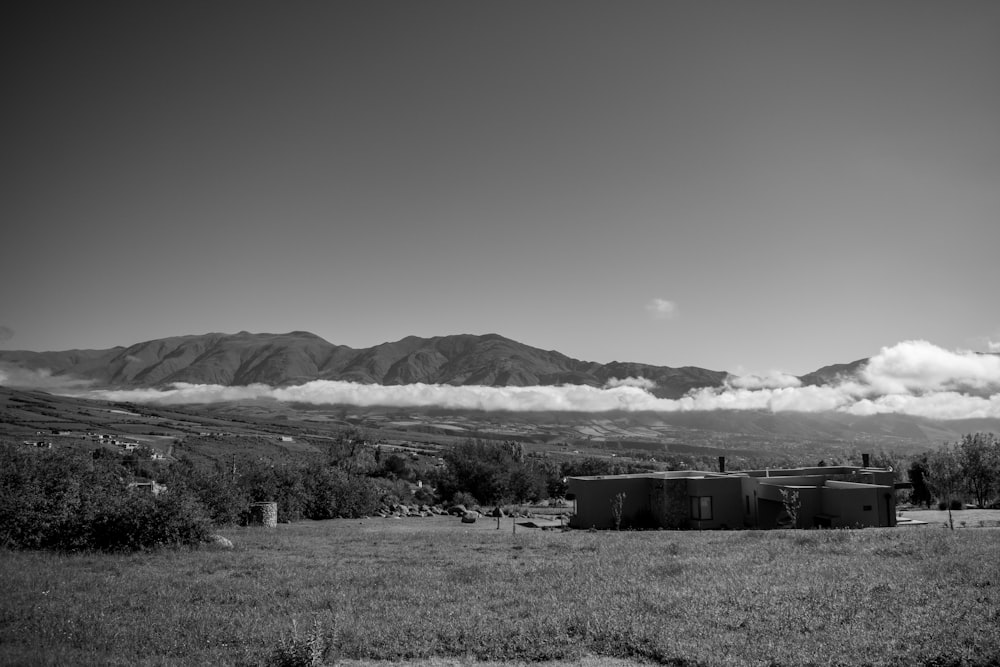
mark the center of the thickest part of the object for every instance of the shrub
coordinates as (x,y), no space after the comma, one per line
(334,493)
(463,498)
(69,501)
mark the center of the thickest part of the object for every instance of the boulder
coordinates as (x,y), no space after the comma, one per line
(220,542)
(469,517)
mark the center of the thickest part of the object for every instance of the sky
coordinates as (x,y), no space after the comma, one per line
(743,186)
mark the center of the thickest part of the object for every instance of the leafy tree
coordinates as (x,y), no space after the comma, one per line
(917,473)
(945,476)
(979,459)
(492,472)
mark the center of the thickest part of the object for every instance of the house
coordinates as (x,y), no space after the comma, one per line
(149,486)
(832,496)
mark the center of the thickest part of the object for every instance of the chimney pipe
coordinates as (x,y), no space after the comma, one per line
(866,460)
(722,464)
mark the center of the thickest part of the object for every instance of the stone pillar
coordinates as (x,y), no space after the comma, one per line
(264,514)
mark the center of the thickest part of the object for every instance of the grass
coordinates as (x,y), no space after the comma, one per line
(435,590)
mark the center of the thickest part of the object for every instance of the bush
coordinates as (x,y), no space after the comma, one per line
(953,504)
(464,499)
(69,501)
(139,520)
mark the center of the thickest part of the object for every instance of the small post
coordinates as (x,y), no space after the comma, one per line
(513,524)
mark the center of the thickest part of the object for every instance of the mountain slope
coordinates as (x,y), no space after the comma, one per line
(298,357)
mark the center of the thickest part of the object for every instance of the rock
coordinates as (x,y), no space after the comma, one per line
(220,542)
(469,517)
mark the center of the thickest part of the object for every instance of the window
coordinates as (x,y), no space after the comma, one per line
(701,508)
(867,508)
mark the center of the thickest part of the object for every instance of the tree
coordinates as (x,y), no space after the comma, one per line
(492,472)
(979,459)
(617,509)
(945,475)
(792,503)
(921,494)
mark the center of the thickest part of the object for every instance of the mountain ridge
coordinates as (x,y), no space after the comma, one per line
(299,356)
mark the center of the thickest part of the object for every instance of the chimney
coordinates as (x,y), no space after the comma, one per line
(866,460)
(722,464)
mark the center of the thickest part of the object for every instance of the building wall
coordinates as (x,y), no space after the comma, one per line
(669,502)
(665,500)
(858,505)
(594,496)
(725,493)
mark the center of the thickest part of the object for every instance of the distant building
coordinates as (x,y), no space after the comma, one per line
(148,486)
(829,496)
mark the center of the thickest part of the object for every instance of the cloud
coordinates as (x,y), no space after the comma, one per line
(661,309)
(641,383)
(6,333)
(26,378)
(770,380)
(913,378)
(993,347)
(917,366)
(329,392)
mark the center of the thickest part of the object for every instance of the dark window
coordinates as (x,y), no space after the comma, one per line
(867,508)
(701,508)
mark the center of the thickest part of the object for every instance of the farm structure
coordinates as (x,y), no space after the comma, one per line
(827,496)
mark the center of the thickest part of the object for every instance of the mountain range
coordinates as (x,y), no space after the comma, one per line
(298,357)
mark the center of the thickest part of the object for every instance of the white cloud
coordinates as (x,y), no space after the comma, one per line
(661,309)
(913,378)
(641,383)
(769,380)
(26,378)
(917,366)
(993,346)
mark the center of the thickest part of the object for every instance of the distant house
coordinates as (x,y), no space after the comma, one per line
(148,486)
(286,438)
(41,444)
(834,497)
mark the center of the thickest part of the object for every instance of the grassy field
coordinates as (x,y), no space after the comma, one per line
(435,591)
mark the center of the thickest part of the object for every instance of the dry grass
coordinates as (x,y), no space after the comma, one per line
(438,592)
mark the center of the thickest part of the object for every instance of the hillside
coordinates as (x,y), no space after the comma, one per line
(298,357)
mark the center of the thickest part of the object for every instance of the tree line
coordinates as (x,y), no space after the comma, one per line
(968,470)
(71,500)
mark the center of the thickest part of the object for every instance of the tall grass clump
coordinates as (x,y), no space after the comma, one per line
(300,650)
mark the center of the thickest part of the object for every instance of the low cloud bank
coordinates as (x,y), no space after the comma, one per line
(27,378)
(913,378)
